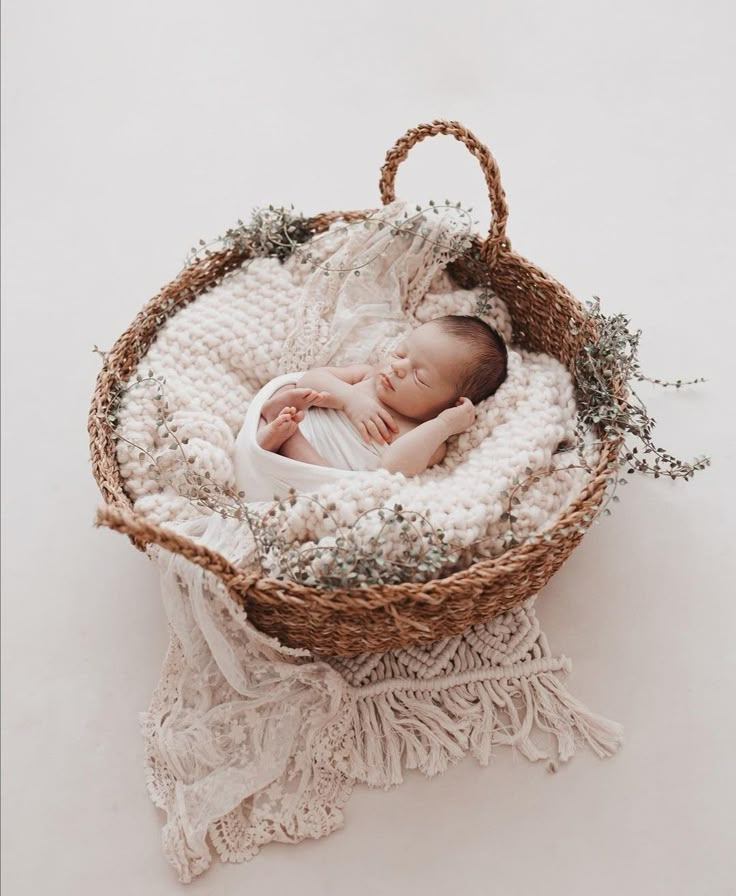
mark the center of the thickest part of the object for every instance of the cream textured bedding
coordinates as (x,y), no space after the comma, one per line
(269,319)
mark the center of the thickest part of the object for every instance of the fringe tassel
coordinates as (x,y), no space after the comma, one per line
(431,729)
(566,714)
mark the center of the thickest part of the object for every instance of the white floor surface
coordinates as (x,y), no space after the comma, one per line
(130,131)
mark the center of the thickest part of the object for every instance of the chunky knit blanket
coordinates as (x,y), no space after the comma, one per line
(249,741)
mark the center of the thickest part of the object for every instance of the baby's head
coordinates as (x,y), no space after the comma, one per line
(438,362)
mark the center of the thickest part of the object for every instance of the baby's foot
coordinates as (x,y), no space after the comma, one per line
(271,436)
(297,398)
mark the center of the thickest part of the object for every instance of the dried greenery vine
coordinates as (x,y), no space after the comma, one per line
(351,560)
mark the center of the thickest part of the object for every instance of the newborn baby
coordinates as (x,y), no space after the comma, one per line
(409,404)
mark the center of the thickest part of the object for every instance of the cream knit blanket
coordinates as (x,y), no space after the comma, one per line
(248,741)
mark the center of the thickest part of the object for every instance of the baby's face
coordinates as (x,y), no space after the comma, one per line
(418,379)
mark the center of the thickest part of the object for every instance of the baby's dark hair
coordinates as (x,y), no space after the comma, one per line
(488,363)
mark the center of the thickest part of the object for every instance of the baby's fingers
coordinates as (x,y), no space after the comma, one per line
(364,432)
(382,428)
(374,431)
(389,419)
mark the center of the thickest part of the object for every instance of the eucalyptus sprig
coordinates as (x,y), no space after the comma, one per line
(350,559)
(612,358)
(604,364)
(531,477)
(277,232)
(271,231)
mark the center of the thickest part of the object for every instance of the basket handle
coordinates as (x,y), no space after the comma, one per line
(496,241)
(143,531)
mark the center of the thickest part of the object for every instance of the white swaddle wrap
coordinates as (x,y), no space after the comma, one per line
(261,474)
(333,435)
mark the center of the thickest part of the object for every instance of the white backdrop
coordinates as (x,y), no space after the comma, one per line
(130,131)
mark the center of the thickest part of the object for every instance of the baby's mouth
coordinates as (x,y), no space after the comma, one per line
(387,382)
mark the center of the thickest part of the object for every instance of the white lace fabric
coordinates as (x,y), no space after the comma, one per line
(239,727)
(343,316)
(249,742)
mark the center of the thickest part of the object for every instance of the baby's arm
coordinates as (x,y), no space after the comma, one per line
(418,449)
(336,380)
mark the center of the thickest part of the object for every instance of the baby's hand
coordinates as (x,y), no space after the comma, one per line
(459,418)
(369,417)
(326,400)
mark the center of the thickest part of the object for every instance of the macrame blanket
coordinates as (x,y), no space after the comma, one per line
(248,741)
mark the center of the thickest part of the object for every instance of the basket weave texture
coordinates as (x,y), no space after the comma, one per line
(381,617)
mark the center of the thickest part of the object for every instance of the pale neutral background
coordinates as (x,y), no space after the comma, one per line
(130,131)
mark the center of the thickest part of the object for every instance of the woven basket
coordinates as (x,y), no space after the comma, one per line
(347,622)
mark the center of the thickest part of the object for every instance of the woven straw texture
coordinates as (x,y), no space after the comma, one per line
(342,622)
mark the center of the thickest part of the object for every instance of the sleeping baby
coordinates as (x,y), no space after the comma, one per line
(399,413)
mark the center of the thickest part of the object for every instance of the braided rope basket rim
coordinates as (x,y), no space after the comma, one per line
(379,617)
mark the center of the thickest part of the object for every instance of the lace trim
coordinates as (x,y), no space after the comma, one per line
(343,318)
